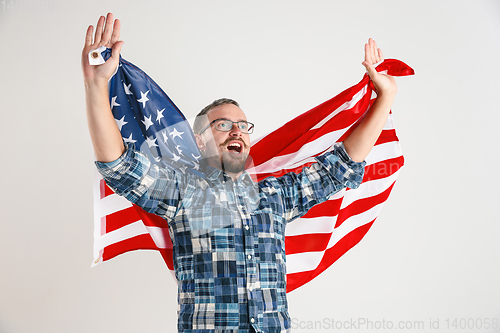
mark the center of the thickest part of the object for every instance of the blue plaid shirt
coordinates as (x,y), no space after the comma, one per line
(229,236)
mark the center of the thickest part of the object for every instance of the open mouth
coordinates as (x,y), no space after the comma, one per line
(235,147)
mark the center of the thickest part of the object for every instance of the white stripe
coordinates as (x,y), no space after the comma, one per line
(159,237)
(303,155)
(369,189)
(347,105)
(315,225)
(300,156)
(111,204)
(384,151)
(125,232)
(97,217)
(326,224)
(307,261)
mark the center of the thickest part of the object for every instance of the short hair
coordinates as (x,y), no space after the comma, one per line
(199,123)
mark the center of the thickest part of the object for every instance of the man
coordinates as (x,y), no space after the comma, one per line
(227,231)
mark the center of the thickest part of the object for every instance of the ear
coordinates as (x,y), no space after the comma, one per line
(200,142)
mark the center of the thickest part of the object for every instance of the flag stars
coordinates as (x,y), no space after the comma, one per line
(113,102)
(165,136)
(143,99)
(178,147)
(176,158)
(129,139)
(151,142)
(121,122)
(127,89)
(159,115)
(176,133)
(147,122)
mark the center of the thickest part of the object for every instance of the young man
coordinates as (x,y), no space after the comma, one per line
(227,231)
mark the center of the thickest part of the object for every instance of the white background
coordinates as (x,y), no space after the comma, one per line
(434,252)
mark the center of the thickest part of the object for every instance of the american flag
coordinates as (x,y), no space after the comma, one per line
(148,118)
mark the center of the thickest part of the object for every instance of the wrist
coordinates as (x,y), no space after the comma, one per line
(387,95)
(95,85)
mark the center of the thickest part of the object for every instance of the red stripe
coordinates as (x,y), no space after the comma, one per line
(327,208)
(383,169)
(167,255)
(283,137)
(307,243)
(319,241)
(385,137)
(362,205)
(342,120)
(295,280)
(105,189)
(150,220)
(140,242)
(121,219)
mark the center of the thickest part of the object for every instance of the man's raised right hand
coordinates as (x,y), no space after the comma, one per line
(107,34)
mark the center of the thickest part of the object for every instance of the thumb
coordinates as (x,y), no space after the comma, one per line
(116,49)
(372,72)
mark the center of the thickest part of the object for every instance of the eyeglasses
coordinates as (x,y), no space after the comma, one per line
(225,125)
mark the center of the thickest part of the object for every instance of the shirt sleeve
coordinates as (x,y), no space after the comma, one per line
(132,176)
(297,193)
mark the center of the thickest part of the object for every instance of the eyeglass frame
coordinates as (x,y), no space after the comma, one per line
(233,122)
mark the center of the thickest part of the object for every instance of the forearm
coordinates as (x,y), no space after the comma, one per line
(361,141)
(104,132)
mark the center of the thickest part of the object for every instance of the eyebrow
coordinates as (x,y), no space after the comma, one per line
(232,120)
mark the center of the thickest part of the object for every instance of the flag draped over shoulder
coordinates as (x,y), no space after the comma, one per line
(148,118)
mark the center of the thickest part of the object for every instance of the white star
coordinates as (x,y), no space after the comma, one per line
(178,149)
(159,115)
(143,99)
(196,166)
(176,158)
(183,169)
(121,122)
(151,143)
(165,136)
(175,133)
(147,122)
(129,139)
(196,157)
(157,159)
(127,89)
(113,102)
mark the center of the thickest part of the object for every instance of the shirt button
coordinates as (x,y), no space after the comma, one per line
(252,320)
(247,227)
(249,257)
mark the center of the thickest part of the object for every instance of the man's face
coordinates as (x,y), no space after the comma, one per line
(227,151)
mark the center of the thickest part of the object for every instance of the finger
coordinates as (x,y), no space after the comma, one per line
(116,32)
(98,30)
(115,51)
(107,30)
(88,36)
(373,50)
(372,72)
(368,56)
(380,55)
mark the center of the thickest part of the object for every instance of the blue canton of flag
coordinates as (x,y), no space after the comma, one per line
(148,118)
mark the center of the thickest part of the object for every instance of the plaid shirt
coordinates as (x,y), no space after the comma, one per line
(229,237)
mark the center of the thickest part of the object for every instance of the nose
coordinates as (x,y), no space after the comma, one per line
(235,130)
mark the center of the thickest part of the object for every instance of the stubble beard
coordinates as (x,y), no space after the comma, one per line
(232,164)
(228,162)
